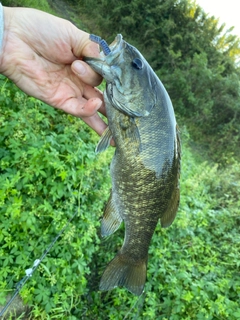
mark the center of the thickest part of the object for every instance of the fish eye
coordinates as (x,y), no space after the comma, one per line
(137,63)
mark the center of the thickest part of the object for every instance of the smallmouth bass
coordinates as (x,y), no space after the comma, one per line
(145,169)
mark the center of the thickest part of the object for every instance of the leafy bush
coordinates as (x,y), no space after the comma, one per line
(38,4)
(193,55)
(49,170)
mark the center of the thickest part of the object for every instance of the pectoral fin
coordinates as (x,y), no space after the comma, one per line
(141,108)
(141,111)
(111,219)
(104,141)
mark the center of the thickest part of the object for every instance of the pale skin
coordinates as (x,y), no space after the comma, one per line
(42,55)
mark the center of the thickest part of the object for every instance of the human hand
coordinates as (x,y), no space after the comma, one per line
(41,55)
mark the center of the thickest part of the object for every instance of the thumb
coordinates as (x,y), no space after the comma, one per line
(85,73)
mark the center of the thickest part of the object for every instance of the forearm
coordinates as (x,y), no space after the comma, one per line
(42,53)
(1,27)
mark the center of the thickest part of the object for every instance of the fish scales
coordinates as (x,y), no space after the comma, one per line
(145,169)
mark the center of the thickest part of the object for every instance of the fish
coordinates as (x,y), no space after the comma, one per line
(145,168)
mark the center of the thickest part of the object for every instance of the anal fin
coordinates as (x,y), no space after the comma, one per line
(111,219)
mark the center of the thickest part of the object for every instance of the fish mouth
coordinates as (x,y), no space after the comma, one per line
(109,58)
(116,47)
(118,42)
(109,51)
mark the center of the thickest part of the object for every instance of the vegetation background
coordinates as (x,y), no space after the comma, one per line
(49,170)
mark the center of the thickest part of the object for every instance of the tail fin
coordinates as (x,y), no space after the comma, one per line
(121,271)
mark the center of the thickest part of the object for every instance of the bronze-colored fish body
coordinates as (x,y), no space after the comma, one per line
(146,166)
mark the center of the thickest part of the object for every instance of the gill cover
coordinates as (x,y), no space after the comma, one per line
(126,72)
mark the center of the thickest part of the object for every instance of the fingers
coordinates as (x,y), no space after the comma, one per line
(80,107)
(85,73)
(82,69)
(96,123)
(91,79)
(90,92)
(87,110)
(94,98)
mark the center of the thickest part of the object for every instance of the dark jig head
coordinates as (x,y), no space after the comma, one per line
(103,44)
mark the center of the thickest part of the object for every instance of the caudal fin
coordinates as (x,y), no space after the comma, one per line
(121,271)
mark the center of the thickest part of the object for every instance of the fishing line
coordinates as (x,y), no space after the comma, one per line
(34,247)
(134,305)
(29,272)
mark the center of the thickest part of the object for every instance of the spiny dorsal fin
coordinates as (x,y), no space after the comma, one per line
(104,141)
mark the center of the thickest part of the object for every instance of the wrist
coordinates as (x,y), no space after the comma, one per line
(5,22)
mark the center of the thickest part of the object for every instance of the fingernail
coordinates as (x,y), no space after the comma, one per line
(99,104)
(79,68)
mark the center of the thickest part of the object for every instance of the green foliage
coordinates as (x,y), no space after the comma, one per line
(38,4)
(49,170)
(208,101)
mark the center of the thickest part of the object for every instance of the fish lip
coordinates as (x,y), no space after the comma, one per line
(103,62)
(116,48)
(116,42)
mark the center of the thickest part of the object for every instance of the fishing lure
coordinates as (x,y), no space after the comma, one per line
(103,44)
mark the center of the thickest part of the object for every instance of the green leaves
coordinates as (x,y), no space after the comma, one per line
(193,266)
(48,171)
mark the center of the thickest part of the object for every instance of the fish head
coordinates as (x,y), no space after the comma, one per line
(130,80)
